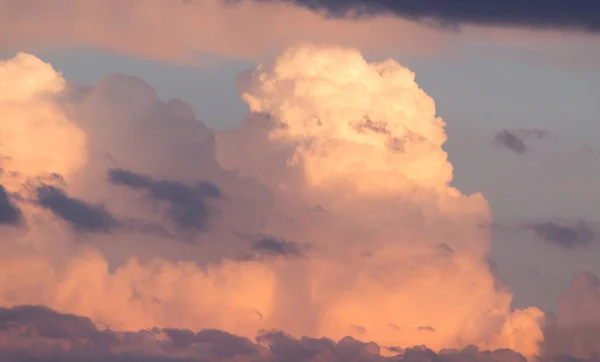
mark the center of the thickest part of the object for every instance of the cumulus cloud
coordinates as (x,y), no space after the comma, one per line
(340,172)
(567,235)
(575,329)
(364,144)
(30,116)
(516,140)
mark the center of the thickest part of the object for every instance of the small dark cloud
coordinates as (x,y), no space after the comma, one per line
(9,213)
(80,214)
(581,15)
(188,207)
(516,140)
(268,246)
(565,235)
(426,328)
(510,141)
(278,247)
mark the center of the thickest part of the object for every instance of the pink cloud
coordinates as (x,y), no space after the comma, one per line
(181,30)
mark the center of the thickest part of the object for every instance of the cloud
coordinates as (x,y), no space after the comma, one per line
(339,154)
(515,140)
(356,144)
(40,334)
(31,116)
(509,140)
(46,323)
(274,246)
(567,235)
(188,204)
(575,329)
(579,15)
(9,213)
(83,216)
(186,30)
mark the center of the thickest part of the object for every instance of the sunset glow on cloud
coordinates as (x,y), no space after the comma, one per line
(325,227)
(396,256)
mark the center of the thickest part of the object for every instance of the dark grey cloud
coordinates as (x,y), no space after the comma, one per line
(188,207)
(80,214)
(220,344)
(510,141)
(46,323)
(35,333)
(268,246)
(9,213)
(516,140)
(582,15)
(279,247)
(565,234)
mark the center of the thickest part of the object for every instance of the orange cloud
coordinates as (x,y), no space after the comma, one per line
(28,92)
(341,155)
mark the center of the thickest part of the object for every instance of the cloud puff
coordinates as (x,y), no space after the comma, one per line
(338,153)
(29,89)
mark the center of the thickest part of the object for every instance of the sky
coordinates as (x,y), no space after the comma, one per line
(270,180)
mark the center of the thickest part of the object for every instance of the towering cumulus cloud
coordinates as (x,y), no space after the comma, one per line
(328,213)
(400,255)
